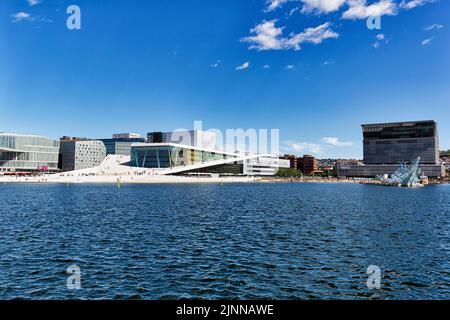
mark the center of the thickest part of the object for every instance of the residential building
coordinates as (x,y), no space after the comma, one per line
(292,160)
(28,153)
(307,164)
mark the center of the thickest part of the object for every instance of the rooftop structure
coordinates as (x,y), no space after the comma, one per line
(126,136)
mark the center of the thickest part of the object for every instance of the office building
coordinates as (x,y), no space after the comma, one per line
(28,153)
(120,144)
(156,137)
(79,154)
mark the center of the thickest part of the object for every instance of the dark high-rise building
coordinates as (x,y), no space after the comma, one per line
(393,143)
(156,137)
(386,145)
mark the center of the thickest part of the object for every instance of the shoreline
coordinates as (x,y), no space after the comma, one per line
(166,179)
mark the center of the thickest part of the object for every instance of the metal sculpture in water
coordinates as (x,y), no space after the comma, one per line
(405,176)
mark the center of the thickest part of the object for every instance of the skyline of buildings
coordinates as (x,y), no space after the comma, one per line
(385,144)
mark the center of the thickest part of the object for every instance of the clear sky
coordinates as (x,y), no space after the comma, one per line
(310,68)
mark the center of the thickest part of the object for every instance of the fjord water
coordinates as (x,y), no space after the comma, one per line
(246,241)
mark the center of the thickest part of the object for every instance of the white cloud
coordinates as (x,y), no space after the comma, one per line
(290,67)
(303,147)
(243,66)
(313,35)
(21,16)
(327,62)
(33,2)
(274,4)
(427,42)
(25,16)
(334,141)
(413,3)
(215,64)
(381,39)
(269,37)
(322,6)
(266,66)
(358,9)
(433,27)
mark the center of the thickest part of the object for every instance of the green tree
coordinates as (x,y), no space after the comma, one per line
(289,173)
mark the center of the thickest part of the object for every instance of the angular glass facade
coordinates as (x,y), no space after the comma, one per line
(171,156)
(28,153)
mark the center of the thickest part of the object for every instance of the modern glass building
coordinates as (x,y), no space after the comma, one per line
(171,155)
(393,143)
(171,158)
(28,153)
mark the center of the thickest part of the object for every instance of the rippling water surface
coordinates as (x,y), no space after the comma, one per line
(246,241)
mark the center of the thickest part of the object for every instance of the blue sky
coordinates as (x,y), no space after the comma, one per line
(310,68)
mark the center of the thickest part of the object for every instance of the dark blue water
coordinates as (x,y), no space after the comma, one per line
(246,241)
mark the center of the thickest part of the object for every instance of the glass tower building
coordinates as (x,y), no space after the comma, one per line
(393,143)
(28,153)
